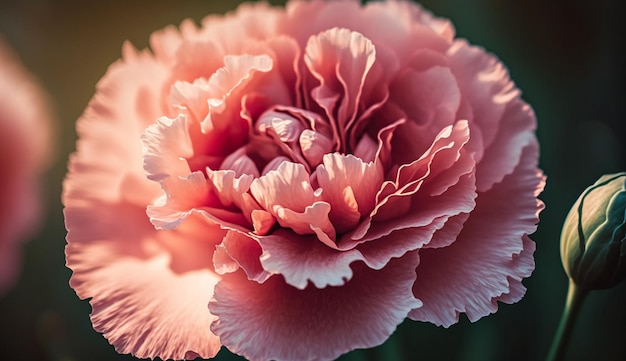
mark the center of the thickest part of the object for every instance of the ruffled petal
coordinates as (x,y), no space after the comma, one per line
(526,264)
(286,187)
(240,164)
(393,239)
(491,255)
(301,259)
(436,179)
(245,252)
(314,145)
(109,151)
(236,72)
(431,99)
(395,24)
(424,59)
(389,24)
(182,195)
(340,60)
(287,194)
(516,131)
(166,146)
(234,31)
(349,186)
(195,58)
(314,219)
(287,55)
(448,233)
(226,88)
(377,254)
(487,90)
(276,321)
(165,42)
(191,98)
(144,283)
(230,188)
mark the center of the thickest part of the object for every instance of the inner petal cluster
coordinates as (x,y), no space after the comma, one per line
(245,156)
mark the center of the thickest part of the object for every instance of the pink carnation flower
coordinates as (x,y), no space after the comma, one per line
(294,183)
(24,146)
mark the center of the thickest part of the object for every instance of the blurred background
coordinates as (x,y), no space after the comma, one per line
(566,57)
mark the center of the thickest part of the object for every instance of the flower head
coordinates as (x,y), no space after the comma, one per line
(315,174)
(593,240)
(24,154)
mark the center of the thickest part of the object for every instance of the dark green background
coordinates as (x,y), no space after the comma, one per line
(565,56)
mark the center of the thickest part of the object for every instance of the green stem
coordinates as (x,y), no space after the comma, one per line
(575,298)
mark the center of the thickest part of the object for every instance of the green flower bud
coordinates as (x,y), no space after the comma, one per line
(593,240)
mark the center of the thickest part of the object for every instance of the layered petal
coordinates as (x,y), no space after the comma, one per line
(340,60)
(491,255)
(287,194)
(516,132)
(108,163)
(182,196)
(110,237)
(239,250)
(271,320)
(349,185)
(223,84)
(287,167)
(430,99)
(300,259)
(166,147)
(286,187)
(487,91)
(144,284)
(443,179)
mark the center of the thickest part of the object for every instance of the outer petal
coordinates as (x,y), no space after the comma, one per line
(505,123)
(251,21)
(386,242)
(429,98)
(491,255)
(116,255)
(482,79)
(276,321)
(165,42)
(149,288)
(516,131)
(446,154)
(439,184)
(448,233)
(109,153)
(389,24)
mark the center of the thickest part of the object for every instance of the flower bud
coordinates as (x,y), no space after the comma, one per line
(593,239)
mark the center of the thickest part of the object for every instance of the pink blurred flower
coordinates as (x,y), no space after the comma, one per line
(314,174)
(24,154)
